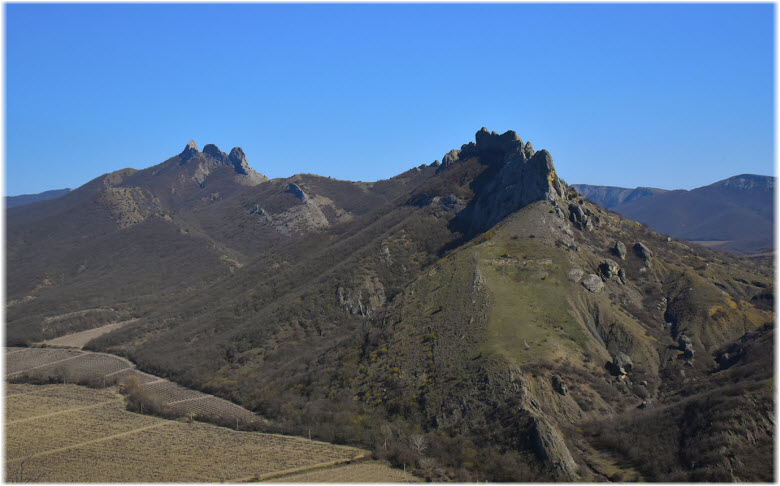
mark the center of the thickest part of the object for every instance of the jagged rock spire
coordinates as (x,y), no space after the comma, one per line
(190,150)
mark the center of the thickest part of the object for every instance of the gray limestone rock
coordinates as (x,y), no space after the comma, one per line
(559,386)
(643,251)
(580,217)
(528,150)
(449,158)
(620,250)
(685,342)
(493,142)
(190,151)
(296,191)
(238,159)
(551,448)
(575,274)
(621,363)
(609,268)
(214,152)
(593,283)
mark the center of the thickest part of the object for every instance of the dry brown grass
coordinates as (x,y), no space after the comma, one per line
(100,369)
(371,472)
(105,443)
(80,339)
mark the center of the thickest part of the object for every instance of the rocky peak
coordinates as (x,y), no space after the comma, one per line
(516,179)
(238,159)
(214,152)
(493,142)
(190,151)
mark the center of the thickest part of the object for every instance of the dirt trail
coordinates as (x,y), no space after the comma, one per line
(60,412)
(296,470)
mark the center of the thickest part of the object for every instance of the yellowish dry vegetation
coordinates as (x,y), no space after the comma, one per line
(80,339)
(63,433)
(370,472)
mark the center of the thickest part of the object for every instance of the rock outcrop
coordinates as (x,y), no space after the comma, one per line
(580,216)
(212,157)
(190,151)
(296,191)
(620,250)
(593,283)
(518,180)
(551,448)
(621,364)
(214,152)
(238,159)
(559,386)
(609,268)
(643,251)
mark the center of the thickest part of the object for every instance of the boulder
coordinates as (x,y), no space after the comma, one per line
(643,251)
(580,217)
(575,274)
(559,386)
(685,342)
(619,250)
(621,364)
(609,268)
(622,275)
(593,283)
(452,202)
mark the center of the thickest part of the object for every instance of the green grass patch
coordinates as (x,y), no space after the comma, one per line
(528,285)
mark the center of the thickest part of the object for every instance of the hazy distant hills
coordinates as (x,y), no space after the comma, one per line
(735,214)
(475,318)
(13,201)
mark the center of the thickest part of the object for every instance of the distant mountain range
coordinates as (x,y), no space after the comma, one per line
(734,214)
(21,200)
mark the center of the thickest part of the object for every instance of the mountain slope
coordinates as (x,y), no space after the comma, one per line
(477,318)
(13,201)
(736,213)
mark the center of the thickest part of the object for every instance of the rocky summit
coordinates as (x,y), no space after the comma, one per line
(472,319)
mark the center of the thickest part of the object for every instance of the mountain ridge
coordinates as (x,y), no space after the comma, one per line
(736,213)
(479,303)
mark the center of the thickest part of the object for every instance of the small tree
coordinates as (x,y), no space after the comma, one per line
(418,443)
(387,434)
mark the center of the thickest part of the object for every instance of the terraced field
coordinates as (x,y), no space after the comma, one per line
(68,433)
(371,472)
(75,366)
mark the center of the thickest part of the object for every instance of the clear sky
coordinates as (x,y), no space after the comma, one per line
(665,95)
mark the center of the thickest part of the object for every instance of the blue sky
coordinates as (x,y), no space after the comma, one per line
(665,95)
